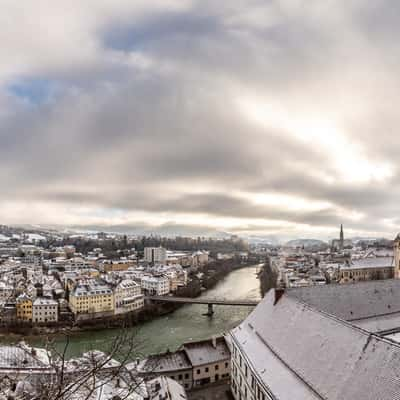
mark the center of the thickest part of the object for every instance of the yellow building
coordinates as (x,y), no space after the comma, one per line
(111,266)
(93,273)
(24,308)
(91,297)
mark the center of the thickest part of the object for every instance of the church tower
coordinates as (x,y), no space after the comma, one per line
(396,254)
(341,241)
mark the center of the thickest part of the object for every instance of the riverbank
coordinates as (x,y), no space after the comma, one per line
(211,275)
(268,277)
(169,331)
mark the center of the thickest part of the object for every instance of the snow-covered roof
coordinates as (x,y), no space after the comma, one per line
(370,262)
(201,353)
(43,301)
(298,352)
(23,356)
(353,301)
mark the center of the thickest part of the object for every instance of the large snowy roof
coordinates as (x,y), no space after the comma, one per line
(353,301)
(301,353)
(371,262)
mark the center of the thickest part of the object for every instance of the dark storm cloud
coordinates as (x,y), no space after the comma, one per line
(146,115)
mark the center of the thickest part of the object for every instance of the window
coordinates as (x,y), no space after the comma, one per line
(216,367)
(198,372)
(206,369)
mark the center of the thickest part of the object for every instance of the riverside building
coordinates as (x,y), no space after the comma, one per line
(128,296)
(92,297)
(24,308)
(44,310)
(155,285)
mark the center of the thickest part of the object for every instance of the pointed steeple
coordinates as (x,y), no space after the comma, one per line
(341,237)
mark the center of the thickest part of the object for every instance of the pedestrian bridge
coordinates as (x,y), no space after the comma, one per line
(202,300)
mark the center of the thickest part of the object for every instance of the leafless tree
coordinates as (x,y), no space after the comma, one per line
(83,378)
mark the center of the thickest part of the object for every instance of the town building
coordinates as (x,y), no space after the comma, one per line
(367,269)
(22,361)
(6,291)
(115,265)
(174,365)
(175,273)
(210,360)
(24,308)
(332,342)
(128,296)
(155,255)
(200,258)
(164,388)
(155,285)
(44,310)
(92,297)
(196,364)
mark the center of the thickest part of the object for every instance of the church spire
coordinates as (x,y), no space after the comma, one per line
(341,237)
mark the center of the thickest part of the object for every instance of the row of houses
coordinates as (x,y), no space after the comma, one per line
(194,365)
(30,293)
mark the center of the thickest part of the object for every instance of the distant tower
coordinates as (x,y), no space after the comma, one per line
(396,254)
(341,242)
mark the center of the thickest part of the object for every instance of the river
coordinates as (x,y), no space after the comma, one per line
(185,324)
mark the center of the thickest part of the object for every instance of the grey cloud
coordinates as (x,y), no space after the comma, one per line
(146,137)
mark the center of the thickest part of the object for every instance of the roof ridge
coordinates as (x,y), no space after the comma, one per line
(337,284)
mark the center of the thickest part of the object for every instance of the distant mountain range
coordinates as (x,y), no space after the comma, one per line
(172,230)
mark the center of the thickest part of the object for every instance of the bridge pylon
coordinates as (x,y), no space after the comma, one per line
(210,310)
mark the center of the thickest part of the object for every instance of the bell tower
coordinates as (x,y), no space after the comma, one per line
(341,241)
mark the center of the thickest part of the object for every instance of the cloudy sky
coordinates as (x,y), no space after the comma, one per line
(258,117)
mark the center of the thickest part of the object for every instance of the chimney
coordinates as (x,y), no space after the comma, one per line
(214,341)
(278,294)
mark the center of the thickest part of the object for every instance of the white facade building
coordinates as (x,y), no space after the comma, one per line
(128,296)
(175,273)
(44,310)
(155,285)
